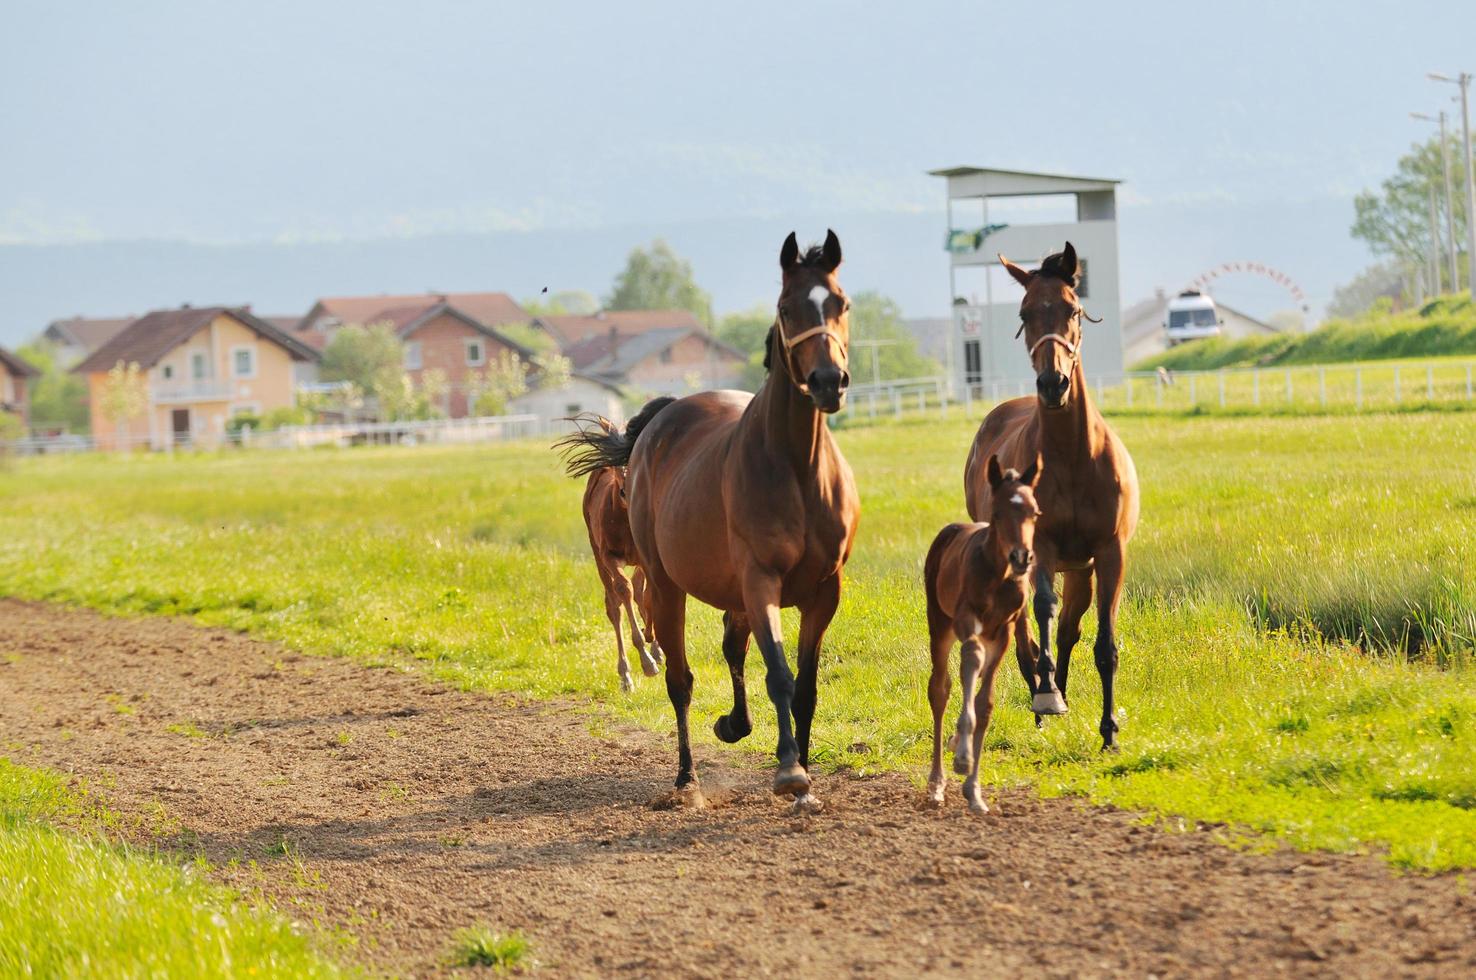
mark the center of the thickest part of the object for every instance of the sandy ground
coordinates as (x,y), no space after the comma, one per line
(397,811)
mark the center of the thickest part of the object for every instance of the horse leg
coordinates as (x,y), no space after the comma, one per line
(642,586)
(761,592)
(814,620)
(1110,562)
(1076,596)
(1025,656)
(648,663)
(970,662)
(669,606)
(940,684)
(609,577)
(1047,699)
(994,652)
(736,724)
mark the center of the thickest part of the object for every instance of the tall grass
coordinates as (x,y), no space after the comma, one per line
(1297,633)
(73,904)
(1442,327)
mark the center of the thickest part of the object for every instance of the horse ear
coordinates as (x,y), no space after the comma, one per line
(769,339)
(1016,273)
(1068,262)
(831,253)
(789,254)
(996,475)
(1031,476)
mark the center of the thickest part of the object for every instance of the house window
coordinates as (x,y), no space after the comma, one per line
(476,354)
(168,372)
(412,356)
(243,362)
(197,366)
(973,372)
(573,408)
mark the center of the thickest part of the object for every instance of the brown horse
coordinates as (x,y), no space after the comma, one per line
(608,521)
(1088,489)
(745,503)
(975,579)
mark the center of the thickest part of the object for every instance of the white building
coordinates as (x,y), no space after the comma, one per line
(1025,217)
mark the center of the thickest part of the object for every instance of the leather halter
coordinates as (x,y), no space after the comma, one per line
(1056,339)
(791,342)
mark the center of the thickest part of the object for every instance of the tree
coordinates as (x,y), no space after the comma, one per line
(565,301)
(746,330)
(876,317)
(505,378)
(1395,220)
(363,356)
(124,395)
(58,397)
(1358,296)
(554,371)
(659,279)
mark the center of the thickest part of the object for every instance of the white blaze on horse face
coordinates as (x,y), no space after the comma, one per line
(818,296)
(1017,499)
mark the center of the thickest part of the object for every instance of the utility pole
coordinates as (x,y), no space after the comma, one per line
(1435,245)
(1464,81)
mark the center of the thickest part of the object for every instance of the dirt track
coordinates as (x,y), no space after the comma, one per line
(400,811)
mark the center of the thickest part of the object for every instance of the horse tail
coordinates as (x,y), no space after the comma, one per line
(599,443)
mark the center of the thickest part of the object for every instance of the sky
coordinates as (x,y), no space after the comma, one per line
(255,138)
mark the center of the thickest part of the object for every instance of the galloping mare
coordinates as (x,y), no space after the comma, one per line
(607,518)
(974,578)
(1088,490)
(745,503)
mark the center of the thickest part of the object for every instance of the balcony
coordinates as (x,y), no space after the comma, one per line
(199,391)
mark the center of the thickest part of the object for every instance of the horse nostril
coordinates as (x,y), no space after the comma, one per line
(845,381)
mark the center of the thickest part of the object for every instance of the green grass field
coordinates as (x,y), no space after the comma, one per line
(1297,634)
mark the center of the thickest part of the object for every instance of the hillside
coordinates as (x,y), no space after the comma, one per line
(1442,327)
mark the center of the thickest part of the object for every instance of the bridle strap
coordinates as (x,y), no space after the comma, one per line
(1053,338)
(790,343)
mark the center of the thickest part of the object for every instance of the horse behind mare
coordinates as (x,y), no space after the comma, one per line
(1088,489)
(607,518)
(974,578)
(746,503)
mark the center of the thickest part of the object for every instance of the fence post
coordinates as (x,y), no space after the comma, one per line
(1222,387)
(1396,384)
(1322,386)
(968,401)
(896,403)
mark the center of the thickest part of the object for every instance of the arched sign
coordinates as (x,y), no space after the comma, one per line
(1202,281)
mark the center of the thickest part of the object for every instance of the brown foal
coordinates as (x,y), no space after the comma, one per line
(745,503)
(1088,489)
(608,520)
(975,579)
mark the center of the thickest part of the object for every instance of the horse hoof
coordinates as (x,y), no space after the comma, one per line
(649,667)
(952,741)
(1111,748)
(688,797)
(935,793)
(724,730)
(656,653)
(806,805)
(963,762)
(975,799)
(791,780)
(626,685)
(1048,703)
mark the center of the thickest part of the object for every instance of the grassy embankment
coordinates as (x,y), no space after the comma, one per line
(1298,630)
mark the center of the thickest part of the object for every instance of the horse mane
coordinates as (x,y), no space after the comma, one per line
(1054,266)
(812,256)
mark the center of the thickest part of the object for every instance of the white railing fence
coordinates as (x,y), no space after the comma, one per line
(1362,386)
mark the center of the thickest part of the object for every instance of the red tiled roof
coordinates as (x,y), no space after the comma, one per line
(91,333)
(150,337)
(17,367)
(570,329)
(492,309)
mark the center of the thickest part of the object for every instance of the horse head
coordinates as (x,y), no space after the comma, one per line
(811,333)
(1050,319)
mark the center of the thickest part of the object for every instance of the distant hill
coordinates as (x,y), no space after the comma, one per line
(1442,327)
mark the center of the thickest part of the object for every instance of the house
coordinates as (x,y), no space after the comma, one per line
(672,360)
(15,376)
(583,393)
(456,334)
(200,367)
(1143,327)
(573,328)
(78,337)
